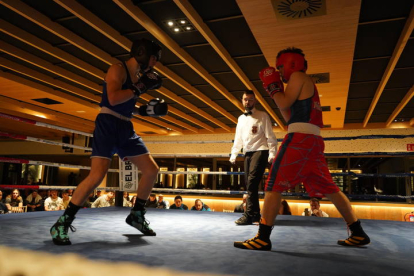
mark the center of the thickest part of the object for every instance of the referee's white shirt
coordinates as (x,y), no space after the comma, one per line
(254,132)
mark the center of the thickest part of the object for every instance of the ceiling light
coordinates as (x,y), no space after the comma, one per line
(179,25)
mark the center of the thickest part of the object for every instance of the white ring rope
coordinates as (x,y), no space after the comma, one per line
(38,140)
(33,122)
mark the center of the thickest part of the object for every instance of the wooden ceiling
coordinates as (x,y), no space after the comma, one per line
(59,50)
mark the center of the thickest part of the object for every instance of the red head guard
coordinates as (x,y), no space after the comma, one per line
(291,62)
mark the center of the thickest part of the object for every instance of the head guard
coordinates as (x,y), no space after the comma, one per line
(291,62)
(143,49)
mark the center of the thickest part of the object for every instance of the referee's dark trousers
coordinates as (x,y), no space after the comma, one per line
(255,163)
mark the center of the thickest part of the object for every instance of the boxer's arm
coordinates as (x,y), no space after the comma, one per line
(293,89)
(114,79)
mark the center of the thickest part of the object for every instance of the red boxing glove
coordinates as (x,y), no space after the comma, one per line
(271,81)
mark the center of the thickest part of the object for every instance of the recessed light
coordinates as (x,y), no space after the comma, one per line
(170,23)
(176,30)
(183,21)
(188,28)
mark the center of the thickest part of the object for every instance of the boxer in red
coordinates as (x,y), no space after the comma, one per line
(301,156)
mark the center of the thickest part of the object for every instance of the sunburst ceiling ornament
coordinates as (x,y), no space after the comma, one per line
(296,9)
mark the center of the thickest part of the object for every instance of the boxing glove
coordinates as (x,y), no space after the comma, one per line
(154,108)
(271,81)
(151,80)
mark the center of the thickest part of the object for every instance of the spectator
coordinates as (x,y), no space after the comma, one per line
(200,206)
(315,209)
(3,207)
(65,199)
(53,202)
(162,204)
(97,195)
(89,201)
(70,192)
(105,200)
(242,207)
(152,201)
(14,202)
(126,202)
(178,204)
(43,194)
(133,199)
(284,208)
(34,202)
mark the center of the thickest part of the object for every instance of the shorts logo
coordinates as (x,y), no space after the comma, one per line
(254,129)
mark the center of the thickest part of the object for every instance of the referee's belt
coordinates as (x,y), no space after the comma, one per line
(106,110)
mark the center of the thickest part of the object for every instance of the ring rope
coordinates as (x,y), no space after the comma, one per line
(33,122)
(25,161)
(54,143)
(33,139)
(37,123)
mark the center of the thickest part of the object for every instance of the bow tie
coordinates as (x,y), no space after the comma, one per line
(247,113)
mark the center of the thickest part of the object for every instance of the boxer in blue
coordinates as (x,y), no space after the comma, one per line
(114,133)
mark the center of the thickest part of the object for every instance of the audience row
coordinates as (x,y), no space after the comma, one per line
(49,200)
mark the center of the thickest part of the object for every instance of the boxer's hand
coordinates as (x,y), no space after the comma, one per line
(151,80)
(154,108)
(271,81)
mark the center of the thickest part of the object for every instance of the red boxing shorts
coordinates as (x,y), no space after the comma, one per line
(300,159)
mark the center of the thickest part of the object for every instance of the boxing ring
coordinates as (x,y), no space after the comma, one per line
(202,242)
(193,243)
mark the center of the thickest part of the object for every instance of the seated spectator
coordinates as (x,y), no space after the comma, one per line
(106,200)
(162,204)
(14,202)
(200,206)
(89,201)
(70,192)
(178,204)
(3,207)
(126,202)
(97,195)
(284,208)
(133,199)
(65,199)
(242,207)
(152,201)
(315,209)
(34,202)
(53,202)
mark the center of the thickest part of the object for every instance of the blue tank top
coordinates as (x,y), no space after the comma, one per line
(125,108)
(307,111)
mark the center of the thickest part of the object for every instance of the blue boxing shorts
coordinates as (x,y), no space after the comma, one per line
(113,135)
